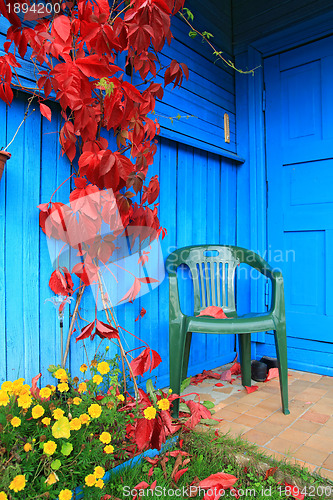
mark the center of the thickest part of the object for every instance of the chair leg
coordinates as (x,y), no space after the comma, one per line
(281,352)
(177,338)
(245,357)
(186,354)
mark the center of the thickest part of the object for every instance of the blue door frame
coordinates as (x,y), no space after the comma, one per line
(251,144)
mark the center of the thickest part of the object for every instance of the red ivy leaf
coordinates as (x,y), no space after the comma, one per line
(62,27)
(270,472)
(272,373)
(216,312)
(179,474)
(253,388)
(295,491)
(147,360)
(141,314)
(226,376)
(86,331)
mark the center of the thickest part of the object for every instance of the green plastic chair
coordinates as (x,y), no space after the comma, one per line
(212,269)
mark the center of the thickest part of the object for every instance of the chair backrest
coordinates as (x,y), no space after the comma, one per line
(213,274)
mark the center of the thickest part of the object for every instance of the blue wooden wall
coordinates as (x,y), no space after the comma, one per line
(197,205)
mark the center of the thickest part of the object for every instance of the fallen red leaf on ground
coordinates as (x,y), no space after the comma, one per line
(272,373)
(295,492)
(253,388)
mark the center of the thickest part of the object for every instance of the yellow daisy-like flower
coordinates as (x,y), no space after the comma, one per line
(27,447)
(82,387)
(61,374)
(3,496)
(94,410)
(109,449)
(58,413)
(37,411)
(170,391)
(99,483)
(52,387)
(84,418)
(16,422)
(24,390)
(17,385)
(4,398)
(103,367)
(18,483)
(149,413)
(75,424)
(63,387)
(90,480)
(45,392)
(163,404)
(121,397)
(97,379)
(52,479)
(105,437)
(46,421)
(77,401)
(24,402)
(83,368)
(65,495)
(49,447)
(99,472)
(7,386)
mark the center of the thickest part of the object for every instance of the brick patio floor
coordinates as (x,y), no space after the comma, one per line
(305,436)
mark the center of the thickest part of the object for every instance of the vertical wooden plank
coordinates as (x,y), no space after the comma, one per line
(30,242)
(168,216)
(14,244)
(3,336)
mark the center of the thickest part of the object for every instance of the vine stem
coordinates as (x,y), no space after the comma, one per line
(111,319)
(76,309)
(26,115)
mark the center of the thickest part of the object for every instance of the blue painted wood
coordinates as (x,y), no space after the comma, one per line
(301,224)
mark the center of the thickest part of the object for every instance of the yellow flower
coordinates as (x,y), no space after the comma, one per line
(94,410)
(97,379)
(4,399)
(121,397)
(83,368)
(61,428)
(93,363)
(109,448)
(82,387)
(16,422)
(58,413)
(90,480)
(84,418)
(103,368)
(24,390)
(46,421)
(63,387)
(75,424)
(170,391)
(99,483)
(52,387)
(18,483)
(52,479)
(49,447)
(77,401)
(105,437)
(65,495)
(99,472)
(45,392)
(17,385)
(37,411)
(163,404)
(7,386)
(61,374)
(3,496)
(24,402)
(149,413)
(107,348)
(27,447)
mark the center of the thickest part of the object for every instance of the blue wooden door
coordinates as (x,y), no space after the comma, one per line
(299,133)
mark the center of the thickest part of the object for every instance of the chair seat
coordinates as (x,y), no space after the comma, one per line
(247,323)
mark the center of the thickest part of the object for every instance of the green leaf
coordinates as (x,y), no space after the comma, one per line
(207,35)
(207,421)
(208,404)
(178,116)
(184,408)
(185,384)
(150,390)
(189,14)
(192,34)
(56,464)
(66,449)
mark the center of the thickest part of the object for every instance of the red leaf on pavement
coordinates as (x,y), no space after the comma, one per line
(253,388)
(45,111)
(219,384)
(272,373)
(141,314)
(214,311)
(179,474)
(295,491)
(226,376)
(235,369)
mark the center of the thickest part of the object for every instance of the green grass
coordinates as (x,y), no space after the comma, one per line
(225,454)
